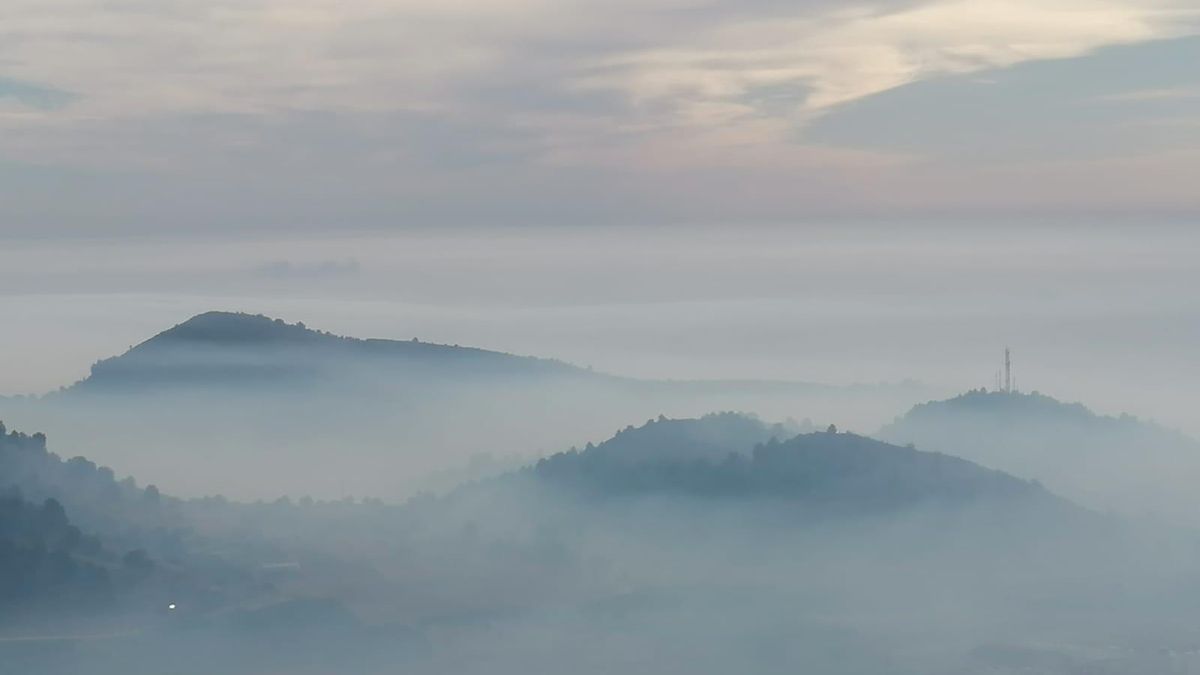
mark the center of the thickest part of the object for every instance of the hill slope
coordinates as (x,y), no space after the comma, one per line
(707,534)
(254,407)
(827,469)
(47,563)
(235,350)
(1106,462)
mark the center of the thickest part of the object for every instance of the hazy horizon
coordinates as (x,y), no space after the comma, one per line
(838,304)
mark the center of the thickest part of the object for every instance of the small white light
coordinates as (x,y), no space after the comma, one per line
(171,606)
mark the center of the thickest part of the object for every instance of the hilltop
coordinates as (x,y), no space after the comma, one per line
(224,400)
(1107,462)
(227,349)
(826,469)
(711,437)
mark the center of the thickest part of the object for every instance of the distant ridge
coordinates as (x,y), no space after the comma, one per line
(242,349)
(236,328)
(1106,462)
(1001,408)
(712,437)
(732,456)
(237,348)
(256,393)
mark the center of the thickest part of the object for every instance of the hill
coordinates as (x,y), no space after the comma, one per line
(826,469)
(1106,462)
(228,350)
(255,407)
(712,437)
(125,514)
(46,562)
(677,523)
(73,531)
(722,533)
(76,543)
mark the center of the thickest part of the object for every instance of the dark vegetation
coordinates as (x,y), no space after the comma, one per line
(826,469)
(96,542)
(123,513)
(238,350)
(640,540)
(223,400)
(1118,463)
(725,457)
(44,559)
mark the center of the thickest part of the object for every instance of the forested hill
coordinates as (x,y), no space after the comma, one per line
(221,401)
(228,349)
(838,470)
(1106,462)
(711,437)
(72,537)
(46,562)
(124,513)
(1000,408)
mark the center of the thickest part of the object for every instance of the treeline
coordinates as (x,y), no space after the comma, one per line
(829,468)
(125,515)
(236,350)
(71,535)
(72,531)
(47,561)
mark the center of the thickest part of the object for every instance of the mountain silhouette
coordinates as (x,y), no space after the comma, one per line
(1106,462)
(702,458)
(234,350)
(219,402)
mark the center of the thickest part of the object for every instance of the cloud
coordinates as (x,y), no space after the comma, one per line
(1035,111)
(687,58)
(1164,94)
(314,270)
(409,108)
(849,54)
(32,95)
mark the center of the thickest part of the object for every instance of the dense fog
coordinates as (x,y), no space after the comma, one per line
(254,408)
(708,545)
(1095,311)
(241,494)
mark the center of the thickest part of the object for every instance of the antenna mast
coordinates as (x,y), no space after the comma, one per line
(1007,372)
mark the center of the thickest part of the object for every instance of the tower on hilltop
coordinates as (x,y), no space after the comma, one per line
(1005,381)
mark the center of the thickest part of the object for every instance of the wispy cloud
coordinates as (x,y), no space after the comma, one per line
(309,270)
(32,95)
(1163,94)
(423,95)
(846,54)
(670,58)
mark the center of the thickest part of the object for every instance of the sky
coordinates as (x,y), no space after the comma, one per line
(235,115)
(822,190)
(1104,314)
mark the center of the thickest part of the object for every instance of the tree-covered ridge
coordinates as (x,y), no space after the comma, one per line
(125,545)
(218,348)
(124,514)
(712,437)
(1027,406)
(1014,420)
(72,535)
(221,401)
(827,468)
(1118,463)
(46,560)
